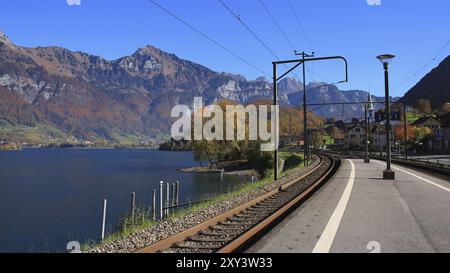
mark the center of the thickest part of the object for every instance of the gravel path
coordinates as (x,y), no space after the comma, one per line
(170,227)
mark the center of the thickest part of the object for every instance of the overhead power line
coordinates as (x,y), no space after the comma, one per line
(253,34)
(209,38)
(277,25)
(299,24)
(288,41)
(407,79)
(249,29)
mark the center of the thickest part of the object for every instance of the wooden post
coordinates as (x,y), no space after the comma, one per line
(177,185)
(161,189)
(133,204)
(102,234)
(172,197)
(154,205)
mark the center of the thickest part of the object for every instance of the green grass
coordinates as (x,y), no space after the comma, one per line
(411,117)
(146,223)
(328,140)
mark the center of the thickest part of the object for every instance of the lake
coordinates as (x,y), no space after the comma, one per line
(51,196)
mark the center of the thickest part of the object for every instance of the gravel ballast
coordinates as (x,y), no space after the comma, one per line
(164,229)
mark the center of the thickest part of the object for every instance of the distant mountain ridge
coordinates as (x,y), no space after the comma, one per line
(435,86)
(88,96)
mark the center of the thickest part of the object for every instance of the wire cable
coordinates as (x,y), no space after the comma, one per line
(209,38)
(249,29)
(299,24)
(407,79)
(277,25)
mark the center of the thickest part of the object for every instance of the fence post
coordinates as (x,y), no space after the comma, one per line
(172,198)
(154,205)
(177,185)
(161,188)
(167,199)
(133,205)
(102,234)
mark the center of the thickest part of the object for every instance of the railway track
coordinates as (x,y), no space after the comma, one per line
(232,230)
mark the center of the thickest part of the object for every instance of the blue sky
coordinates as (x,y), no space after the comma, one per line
(414,30)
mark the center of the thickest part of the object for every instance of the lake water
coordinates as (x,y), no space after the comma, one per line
(51,196)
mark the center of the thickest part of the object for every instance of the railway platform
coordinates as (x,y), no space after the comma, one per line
(358,211)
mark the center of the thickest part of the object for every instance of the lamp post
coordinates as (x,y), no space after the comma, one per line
(366,159)
(385,59)
(370,109)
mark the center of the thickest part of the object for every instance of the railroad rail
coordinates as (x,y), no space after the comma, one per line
(234,229)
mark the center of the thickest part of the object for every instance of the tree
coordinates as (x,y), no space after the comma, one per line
(262,162)
(399,133)
(444,109)
(333,131)
(424,106)
(421,132)
(206,151)
(316,138)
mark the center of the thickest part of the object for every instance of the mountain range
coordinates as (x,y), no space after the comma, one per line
(435,87)
(86,96)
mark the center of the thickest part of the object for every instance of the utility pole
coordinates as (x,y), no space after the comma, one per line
(405,131)
(275,102)
(305,58)
(305,117)
(290,123)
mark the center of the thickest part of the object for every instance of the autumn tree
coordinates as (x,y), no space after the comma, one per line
(424,106)
(444,109)
(399,132)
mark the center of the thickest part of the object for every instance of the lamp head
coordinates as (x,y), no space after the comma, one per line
(386,58)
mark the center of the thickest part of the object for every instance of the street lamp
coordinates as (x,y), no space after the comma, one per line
(386,60)
(367,108)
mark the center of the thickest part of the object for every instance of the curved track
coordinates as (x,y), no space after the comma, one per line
(232,230)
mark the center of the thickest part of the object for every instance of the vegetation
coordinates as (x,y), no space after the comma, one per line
(173,145)
(9,146)
(127,226)
(142,219)
(424,106)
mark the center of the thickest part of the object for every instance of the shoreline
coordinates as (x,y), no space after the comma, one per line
(247,172)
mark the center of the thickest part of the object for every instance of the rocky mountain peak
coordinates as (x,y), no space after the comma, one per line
(262,79)
(147,50)
(4,39)
(236,77)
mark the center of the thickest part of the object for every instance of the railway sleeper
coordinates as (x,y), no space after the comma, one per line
(198,245)
(230,232)
(214,239)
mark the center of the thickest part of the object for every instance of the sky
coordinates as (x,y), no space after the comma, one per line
(413,30)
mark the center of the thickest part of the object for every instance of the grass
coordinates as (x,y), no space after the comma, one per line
(328,140)
(411,117)
(143,215)
(127,226)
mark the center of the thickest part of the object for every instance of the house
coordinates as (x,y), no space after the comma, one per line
(291,141)
(378,138)
(339,138)
(442,135)
(378,133)
(355,136)
(428,121)
(439,142)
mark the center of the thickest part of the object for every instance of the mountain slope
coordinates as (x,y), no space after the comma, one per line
(435,86)
(89,97)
